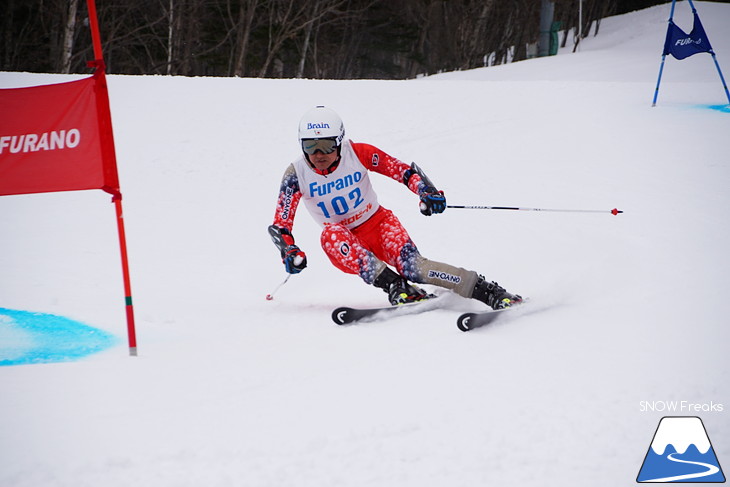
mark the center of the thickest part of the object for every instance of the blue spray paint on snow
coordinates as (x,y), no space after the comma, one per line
(33,338)
(719,108)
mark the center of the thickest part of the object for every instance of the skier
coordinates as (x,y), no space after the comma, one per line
(359,235)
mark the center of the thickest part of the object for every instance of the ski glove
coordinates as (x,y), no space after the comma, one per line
(294,259)
(432,201)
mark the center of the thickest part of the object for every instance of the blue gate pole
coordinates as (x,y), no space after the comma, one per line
(659,80)
(722,78)
(664,56)
(714,58)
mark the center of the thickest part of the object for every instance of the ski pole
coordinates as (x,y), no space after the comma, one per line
(270,296)
(615,211)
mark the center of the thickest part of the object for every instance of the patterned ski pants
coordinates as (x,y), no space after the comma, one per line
(382,240)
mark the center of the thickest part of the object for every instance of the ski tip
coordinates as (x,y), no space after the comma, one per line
(463,322)
(338,316)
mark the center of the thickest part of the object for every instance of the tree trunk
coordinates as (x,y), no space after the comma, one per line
(305,47)
(170,30)
(245,21)
(68,37)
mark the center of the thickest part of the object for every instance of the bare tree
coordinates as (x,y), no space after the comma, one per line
(170,32)
(289,18)
(390,39)
(244,27)
(68,36)
(307,38)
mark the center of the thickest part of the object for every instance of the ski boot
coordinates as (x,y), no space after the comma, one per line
(398,289)
(495,296)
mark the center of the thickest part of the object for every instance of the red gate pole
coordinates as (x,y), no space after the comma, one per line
(117,199)
(109,158)
(94,24)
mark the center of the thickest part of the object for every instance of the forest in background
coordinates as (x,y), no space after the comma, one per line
(324,39)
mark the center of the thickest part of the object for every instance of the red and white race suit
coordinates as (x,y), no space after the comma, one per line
(358,234)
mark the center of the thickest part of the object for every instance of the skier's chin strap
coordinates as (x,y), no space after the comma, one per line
(330,169)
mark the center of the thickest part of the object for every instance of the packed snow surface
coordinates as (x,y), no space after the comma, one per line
(230,389)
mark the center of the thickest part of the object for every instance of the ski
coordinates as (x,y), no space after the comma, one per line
(469,321)
(346,315)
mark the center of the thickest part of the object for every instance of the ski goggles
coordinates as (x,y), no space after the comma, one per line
(326,146)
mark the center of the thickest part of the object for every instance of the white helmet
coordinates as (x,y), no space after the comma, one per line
(321,123)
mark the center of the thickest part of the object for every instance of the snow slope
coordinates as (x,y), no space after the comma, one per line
(230,389)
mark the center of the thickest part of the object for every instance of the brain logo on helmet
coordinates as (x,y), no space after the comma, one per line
(321,122)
